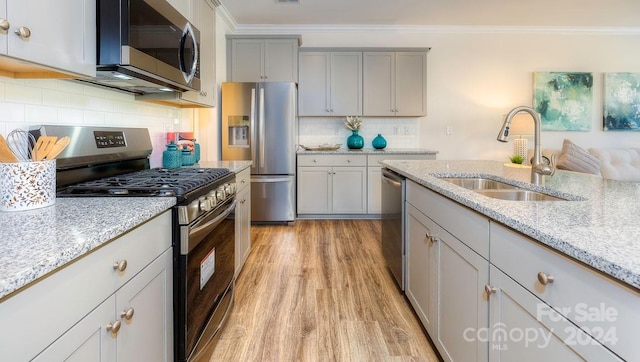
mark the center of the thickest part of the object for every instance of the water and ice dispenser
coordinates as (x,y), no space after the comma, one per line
(239,132)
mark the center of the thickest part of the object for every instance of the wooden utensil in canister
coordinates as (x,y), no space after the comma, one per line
(44,144)
(57,148)
(5,152)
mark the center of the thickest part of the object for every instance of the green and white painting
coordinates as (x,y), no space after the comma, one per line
(564,100)
(622,102)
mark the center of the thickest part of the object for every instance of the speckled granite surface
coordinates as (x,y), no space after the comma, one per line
(369,151)
(34,243)
(602,230)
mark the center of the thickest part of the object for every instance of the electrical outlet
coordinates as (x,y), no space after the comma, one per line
(449,130)
(395,130)
(407,131)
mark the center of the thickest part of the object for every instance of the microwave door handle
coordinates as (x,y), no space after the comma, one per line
(261,125)
(188,32)
(252,120)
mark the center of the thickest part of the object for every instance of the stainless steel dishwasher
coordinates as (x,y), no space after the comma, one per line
(392,242)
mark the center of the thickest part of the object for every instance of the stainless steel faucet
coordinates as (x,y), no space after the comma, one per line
(538,168)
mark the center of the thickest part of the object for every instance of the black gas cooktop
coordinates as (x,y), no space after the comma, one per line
(150,182)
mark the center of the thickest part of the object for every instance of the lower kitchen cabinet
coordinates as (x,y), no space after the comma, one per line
(243,219)
(523,327)
(113,304)
(332,184)
(134,324)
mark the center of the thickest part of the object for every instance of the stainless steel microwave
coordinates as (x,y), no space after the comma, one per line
(146,46)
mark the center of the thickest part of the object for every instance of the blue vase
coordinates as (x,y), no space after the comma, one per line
(196,151)
(187,156)
(172,157)
(379,142)
(355,141)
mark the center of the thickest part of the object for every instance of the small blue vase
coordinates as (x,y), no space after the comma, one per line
(187,156)
(172,157)
(196,151)
(355,141)
(379,142)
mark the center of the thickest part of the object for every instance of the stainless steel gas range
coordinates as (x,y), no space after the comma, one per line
(114,162)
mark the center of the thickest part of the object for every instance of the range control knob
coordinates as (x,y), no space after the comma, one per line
(205,204)
(220,194)
(212,200)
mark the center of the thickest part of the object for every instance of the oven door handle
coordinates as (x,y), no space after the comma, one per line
(202,228)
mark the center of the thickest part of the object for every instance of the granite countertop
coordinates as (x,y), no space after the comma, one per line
(36,242)
(370,151)
(599,227)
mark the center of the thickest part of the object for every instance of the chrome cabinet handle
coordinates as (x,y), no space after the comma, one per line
(120,265)
(4,24)
(23,32)
(127,314)
(545,278)
(114,327)
(489,289)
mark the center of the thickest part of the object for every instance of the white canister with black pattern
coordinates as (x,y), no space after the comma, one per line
(27,185)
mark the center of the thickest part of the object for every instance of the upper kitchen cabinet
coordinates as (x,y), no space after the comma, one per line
(330,84)
(56,38)
(395,83)
(260,59)
(204,18)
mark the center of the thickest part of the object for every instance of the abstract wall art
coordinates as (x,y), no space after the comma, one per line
(564,100)
(621,102)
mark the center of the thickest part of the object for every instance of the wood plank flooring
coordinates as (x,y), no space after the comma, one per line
(319,291)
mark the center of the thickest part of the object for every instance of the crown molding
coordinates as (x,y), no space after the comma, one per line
(429,29)
(226,16)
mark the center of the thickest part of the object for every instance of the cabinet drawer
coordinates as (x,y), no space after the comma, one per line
(603,307)
(332,160)
(48,308)
(374,160)
(243,179)
(465,224)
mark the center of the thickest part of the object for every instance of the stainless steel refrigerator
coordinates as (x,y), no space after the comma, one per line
(259,124)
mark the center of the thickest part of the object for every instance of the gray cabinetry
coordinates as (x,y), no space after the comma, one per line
(394,83)
(262,59)
(330,84)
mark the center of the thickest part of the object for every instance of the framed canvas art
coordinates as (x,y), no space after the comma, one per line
(564,100)
(621,102)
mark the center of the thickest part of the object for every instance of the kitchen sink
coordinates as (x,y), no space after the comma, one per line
(478,183)
(499,190)
(518,195)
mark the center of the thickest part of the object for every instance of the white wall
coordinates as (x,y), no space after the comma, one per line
(475,75)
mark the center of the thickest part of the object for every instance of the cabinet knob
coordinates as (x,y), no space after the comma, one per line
(4,24)
(23,32)
(243,201)
(243,181)
(431,237)
(545,278)
(489,289)
(114,327)
(348,161)
(127,314)
(120,265)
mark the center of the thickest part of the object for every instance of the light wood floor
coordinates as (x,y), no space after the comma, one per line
(319,291)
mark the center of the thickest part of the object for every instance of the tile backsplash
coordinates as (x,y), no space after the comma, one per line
(25,103)
(399,132)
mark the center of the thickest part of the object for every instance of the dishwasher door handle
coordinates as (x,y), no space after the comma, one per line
(391,181)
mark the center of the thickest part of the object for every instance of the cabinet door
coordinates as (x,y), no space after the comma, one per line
(422,266)
(374,190)
(411,84)
(204,19)
(379,84)
(349,190)
(314,190)
(148,334)
(183,7)
(281,60)
(248,60)
(243,227)
(313,88)
(346,84)
(462,303)
(523,328)
(87,341)
(63,33)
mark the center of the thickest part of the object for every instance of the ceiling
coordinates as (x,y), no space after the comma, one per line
(552,13)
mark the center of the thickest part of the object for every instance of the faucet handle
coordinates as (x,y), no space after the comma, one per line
(552,164)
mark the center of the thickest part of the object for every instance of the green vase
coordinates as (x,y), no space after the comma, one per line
(379,142)
(355,141)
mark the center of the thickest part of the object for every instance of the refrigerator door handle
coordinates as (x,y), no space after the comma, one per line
(252,120)
(261,116)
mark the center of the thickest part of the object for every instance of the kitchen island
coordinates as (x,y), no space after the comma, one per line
(480,270)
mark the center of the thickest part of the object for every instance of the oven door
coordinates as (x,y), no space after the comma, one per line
(205,269)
